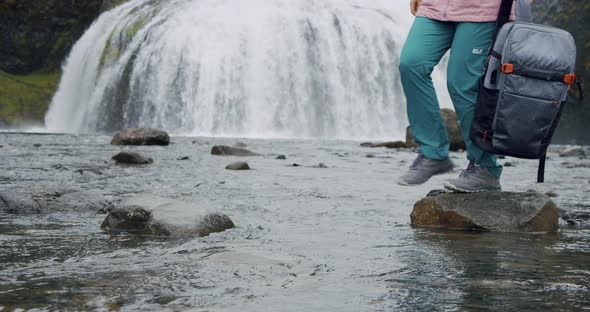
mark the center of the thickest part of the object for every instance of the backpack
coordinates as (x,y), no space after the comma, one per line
(523,90)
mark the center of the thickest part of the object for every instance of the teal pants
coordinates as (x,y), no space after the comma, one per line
(427,43)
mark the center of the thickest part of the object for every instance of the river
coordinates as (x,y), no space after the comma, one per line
(306,239)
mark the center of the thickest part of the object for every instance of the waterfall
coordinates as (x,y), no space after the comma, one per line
(240,68)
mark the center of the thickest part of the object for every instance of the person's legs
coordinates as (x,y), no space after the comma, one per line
(426,44)
(468,56)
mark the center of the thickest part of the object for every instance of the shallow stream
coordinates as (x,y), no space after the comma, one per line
(307,239)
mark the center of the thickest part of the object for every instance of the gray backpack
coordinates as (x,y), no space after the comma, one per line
(524,88)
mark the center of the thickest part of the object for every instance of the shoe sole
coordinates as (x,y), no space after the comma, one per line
(455,189)
(403,183)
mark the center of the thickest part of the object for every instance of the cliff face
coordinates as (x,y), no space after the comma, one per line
(38,34)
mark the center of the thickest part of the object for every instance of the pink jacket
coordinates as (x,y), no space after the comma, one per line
(461,10)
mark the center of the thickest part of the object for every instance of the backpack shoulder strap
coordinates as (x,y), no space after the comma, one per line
(523,11)
(504,13)
(503,18)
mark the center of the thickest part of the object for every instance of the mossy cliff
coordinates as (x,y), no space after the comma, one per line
(36,37)
(24,98)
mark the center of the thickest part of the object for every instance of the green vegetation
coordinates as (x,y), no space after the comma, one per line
(26,98)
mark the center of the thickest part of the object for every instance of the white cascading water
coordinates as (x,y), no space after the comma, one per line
(241,68)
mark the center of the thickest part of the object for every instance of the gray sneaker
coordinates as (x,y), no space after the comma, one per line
(474,179)
(423,169)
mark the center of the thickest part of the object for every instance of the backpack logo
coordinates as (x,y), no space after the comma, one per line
(477,51)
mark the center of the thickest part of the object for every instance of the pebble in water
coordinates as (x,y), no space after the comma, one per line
(239,165)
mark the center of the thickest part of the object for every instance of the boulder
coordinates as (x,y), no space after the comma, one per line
(239,165)
(573,151)
(132,158)
(281,157)
(223,150)
(158,216)
(491,211)
(453,129)
(396,144)
(141,136)
(40,201)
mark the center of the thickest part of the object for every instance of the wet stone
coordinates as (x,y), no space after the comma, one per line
(395,144)
(141,136)
(132,158)
(223,150)
(491,211)
(239,165)
(183,158)
(150,215)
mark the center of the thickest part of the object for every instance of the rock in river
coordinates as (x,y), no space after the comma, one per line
(395,144)
(493,211)
(239,165)
(164,217)
(223,150)
(37,201)
(141,136)
(132,158)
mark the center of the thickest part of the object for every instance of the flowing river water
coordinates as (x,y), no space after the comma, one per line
(306,239)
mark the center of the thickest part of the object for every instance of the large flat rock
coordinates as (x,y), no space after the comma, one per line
(159,216)
(492,211)
(141,136)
